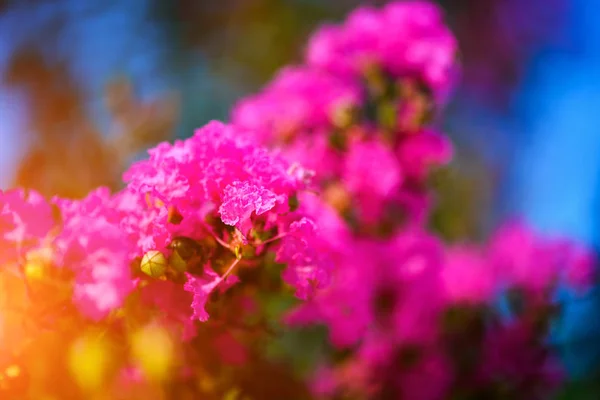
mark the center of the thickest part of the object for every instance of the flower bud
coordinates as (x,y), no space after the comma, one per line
(177,262)
(190,255)
(154,264)
(185,247)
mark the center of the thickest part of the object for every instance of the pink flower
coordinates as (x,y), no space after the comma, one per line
(98,252)
(468,277)
(419,152)
(219,170)
(197,170)
(342,304)
(513,354)
(380,284)
(538,263)
(299,99)
(24,217)
(413,261)
(580,266)
(345,305)
(241,199)
(314,152)
(430,379)
(403,39)
(202,287)
(323,382)
(173,304)
(216,169)
(307,268)
(163,174)
(372,174)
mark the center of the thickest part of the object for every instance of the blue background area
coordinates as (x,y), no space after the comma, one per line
(556,176)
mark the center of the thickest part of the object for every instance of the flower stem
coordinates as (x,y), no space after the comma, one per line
(231,267)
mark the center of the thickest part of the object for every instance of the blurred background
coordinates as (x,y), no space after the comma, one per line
(87,86)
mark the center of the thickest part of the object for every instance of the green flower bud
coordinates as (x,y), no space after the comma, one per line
(177,262)
(154,264)
(185,247)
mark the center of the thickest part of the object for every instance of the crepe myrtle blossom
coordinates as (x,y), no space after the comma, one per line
(223,187)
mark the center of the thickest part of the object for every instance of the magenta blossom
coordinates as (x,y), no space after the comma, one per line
(403,39)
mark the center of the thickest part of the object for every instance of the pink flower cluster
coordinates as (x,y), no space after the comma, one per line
(216,184)
(337,211)
(25,218)
(354,112)
(404,38)
(414,318)
(409,308)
